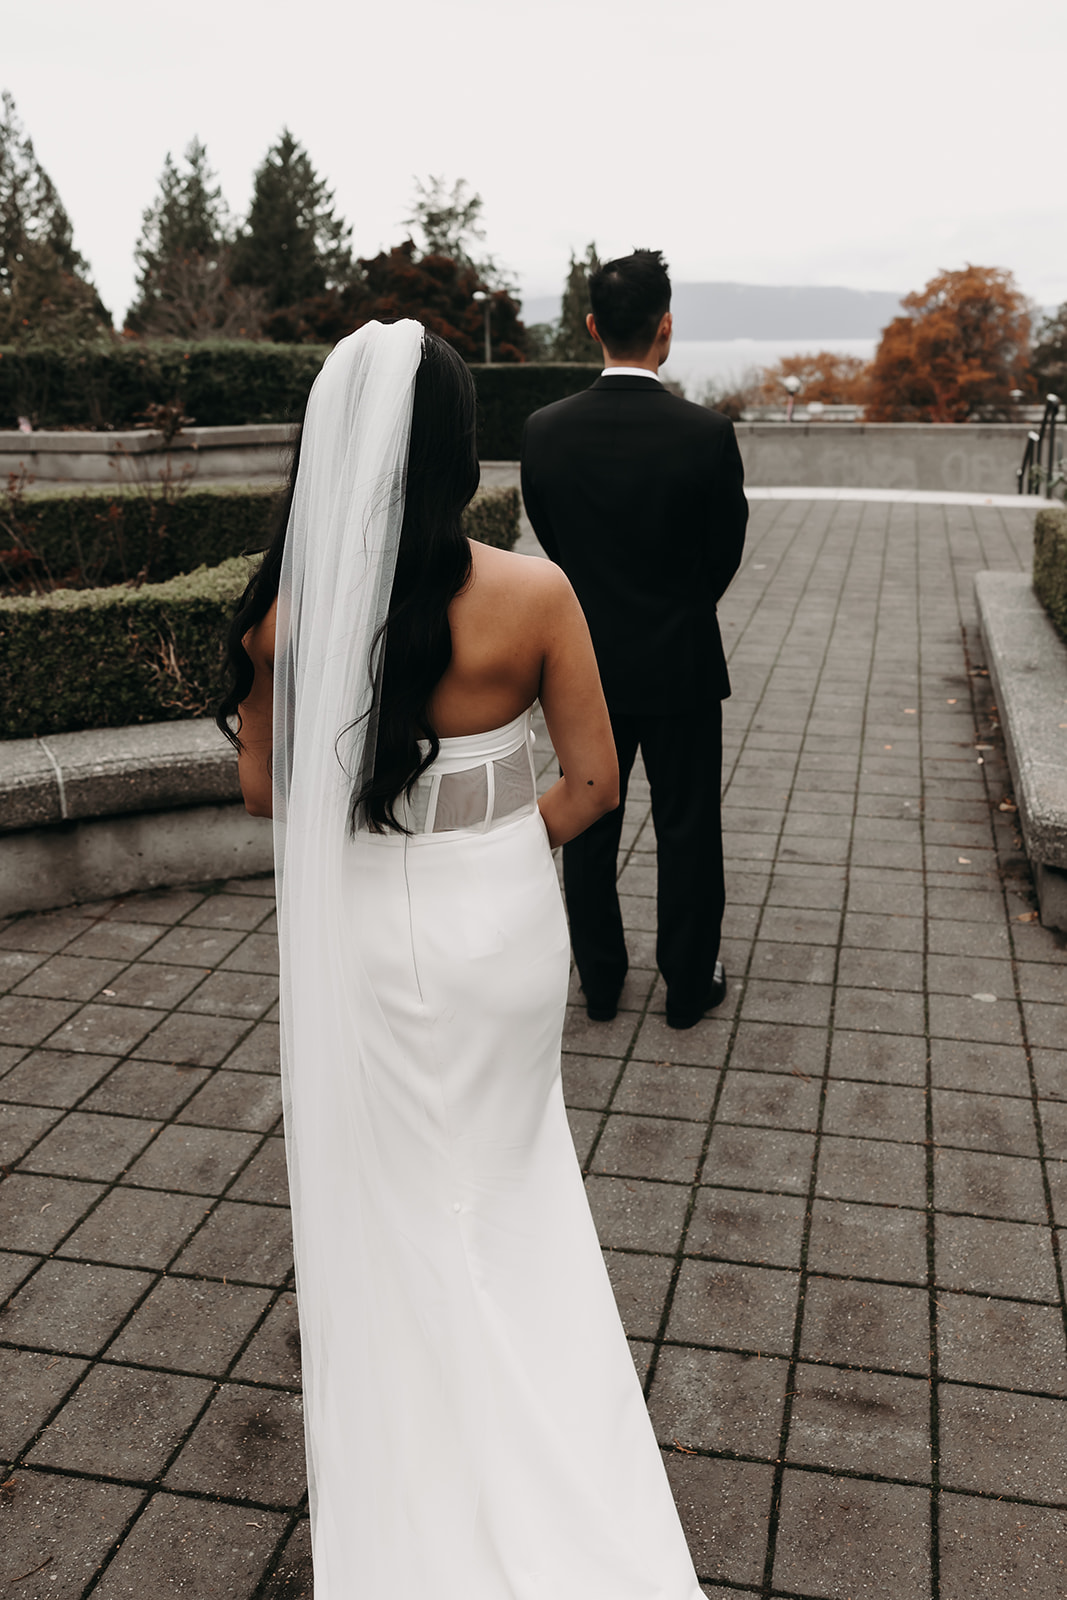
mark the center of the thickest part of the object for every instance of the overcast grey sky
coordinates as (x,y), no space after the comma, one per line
(771,141)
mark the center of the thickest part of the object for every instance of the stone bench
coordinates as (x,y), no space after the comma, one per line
(1027,662)
(84,816)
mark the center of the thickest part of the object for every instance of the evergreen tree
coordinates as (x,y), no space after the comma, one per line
(1049,360)
(571,341)
(449,221)
(292,246)
(45,290)
(182,256)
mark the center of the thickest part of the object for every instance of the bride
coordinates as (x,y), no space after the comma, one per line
(475,1428)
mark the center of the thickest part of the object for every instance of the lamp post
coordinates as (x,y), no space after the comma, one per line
(486,303)
(792,387)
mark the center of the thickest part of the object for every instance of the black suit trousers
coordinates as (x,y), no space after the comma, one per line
(683,763)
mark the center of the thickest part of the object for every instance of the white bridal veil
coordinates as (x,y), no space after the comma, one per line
(337,573)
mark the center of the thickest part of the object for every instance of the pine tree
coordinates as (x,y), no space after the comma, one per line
(1049,360)
(571,341)
(187,217)
(184,259)
(44,284)
(292,245)
(449,221)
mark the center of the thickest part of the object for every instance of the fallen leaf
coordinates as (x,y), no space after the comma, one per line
(1007,805)
(988,998)
(887,747)
(964,861)
(1027,916)
(110,992)
(983,747)
(951,702)
(910,711)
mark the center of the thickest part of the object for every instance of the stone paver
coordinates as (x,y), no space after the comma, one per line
(828,1211)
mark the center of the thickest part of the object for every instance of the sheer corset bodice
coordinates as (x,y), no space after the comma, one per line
(477,782)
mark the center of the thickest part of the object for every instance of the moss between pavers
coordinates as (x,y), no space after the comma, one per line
(1050,563)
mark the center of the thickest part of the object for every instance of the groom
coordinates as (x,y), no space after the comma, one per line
(639,497)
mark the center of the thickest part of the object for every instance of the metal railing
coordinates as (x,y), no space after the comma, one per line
(1032,477)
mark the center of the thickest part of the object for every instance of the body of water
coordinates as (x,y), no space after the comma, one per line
(696,363)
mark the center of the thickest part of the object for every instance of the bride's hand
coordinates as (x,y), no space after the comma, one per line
(256,732)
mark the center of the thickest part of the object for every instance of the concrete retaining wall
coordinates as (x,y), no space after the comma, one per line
(84,816)
(886,455)
(977,459)
(214,454)
(79,862)
(1027,662)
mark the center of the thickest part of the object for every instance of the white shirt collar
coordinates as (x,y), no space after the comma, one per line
(628,372)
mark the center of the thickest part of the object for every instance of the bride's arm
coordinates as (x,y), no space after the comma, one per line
(577,718)
(257,721)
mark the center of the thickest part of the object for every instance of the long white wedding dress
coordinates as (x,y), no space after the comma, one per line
(474,1423)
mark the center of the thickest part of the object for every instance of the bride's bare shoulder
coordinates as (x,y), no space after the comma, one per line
(259,640)
(506,573)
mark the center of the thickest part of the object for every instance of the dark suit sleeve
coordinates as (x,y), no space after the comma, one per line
(539,519)
(729,514)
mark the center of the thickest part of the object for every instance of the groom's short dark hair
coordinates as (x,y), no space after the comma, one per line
(629,296)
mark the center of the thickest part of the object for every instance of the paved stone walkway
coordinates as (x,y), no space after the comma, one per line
(829,1211)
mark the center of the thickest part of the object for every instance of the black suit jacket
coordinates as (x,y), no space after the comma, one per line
(639,497)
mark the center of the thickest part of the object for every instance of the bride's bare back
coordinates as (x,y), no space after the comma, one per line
(501,623)
(518,635)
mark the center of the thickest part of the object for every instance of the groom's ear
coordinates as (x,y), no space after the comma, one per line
(590,323)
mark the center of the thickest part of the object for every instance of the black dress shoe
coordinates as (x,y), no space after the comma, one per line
(602,1010)
(686,1017)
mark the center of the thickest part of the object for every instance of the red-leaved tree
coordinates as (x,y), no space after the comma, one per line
(827,376)
(433,289)
(438,292)
(958,352)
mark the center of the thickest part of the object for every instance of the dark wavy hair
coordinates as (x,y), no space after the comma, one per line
(629,296)
(413,648)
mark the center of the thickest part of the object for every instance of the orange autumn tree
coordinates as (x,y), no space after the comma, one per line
(960,349)
(826,376)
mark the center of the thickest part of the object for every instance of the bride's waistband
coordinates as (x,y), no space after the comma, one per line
(472,749)
(420,839)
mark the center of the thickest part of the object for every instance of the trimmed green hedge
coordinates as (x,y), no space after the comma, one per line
(109,657)
(108,535)
(1050,563)
(508,394)
(226,382)
(219,382)
(106,658)
(493,518)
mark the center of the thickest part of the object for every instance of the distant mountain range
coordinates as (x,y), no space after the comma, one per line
(762,311)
